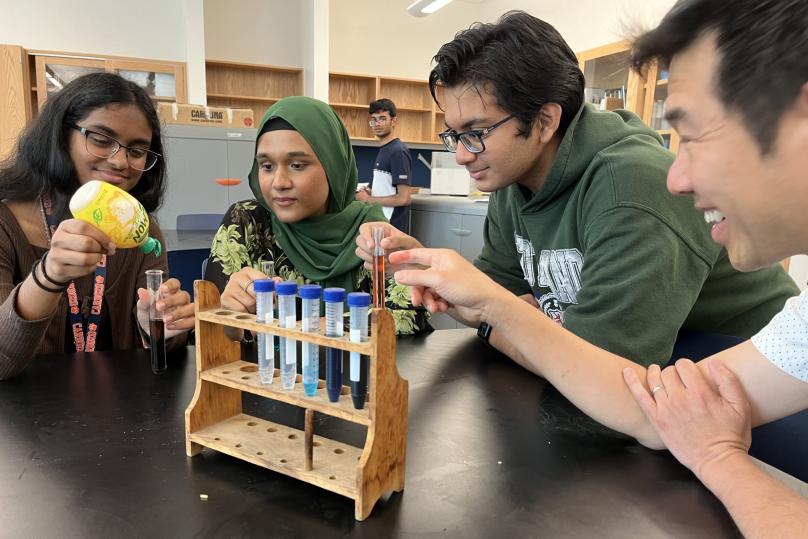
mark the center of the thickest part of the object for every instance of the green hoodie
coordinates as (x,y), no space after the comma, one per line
(609,253)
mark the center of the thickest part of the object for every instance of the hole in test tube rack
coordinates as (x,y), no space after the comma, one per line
(251,423)
(283,461)
(293,436)
(238,445)
(339,451)
(260,453)
(272,429)
(332,477)
(245,317)
(223,313)
(249,368)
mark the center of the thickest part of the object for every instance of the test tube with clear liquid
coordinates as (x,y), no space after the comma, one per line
(287,318)
(264,314)
(268,268)
(157,329)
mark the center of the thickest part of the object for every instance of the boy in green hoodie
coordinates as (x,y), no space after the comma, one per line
(579,221)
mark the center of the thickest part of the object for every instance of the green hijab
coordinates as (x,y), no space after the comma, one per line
(322,248)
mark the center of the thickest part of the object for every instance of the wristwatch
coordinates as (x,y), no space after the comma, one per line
(484,332)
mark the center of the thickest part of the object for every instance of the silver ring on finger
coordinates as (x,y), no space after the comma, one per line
(246,285)
(655,389)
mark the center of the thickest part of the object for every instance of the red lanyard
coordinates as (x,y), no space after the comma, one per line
(84,341)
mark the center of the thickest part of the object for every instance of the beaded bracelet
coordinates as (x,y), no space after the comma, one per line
(39,283)
(45,273)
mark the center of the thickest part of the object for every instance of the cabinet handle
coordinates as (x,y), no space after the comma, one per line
(228,181)
(462,232)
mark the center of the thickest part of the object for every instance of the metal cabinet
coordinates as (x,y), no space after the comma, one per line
(207,170)
(449,223)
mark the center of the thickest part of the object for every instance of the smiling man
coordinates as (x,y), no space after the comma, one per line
(579,222)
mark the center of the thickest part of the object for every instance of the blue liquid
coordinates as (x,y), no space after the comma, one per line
(333,373)
(310,389)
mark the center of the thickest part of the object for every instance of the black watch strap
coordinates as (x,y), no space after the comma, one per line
(484,332)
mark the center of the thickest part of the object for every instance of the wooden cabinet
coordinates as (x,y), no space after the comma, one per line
(15,96)
(419,120)
(163,81)
(611,83)
(250,86)
(28,77)
(656,92)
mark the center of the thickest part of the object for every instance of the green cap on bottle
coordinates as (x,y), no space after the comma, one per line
(151,245)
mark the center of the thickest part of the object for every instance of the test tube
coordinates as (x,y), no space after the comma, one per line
(310,296)
(378,268)
(287,317)
(263,309)
(157,329)
(358,303)
(334,298)
(268,268)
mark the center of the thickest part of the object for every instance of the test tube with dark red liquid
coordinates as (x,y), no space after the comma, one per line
(378,268)
(157,329)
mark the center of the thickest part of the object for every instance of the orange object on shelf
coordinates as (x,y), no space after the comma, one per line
(228,181)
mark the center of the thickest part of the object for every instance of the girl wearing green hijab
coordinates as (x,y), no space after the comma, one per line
(304,216)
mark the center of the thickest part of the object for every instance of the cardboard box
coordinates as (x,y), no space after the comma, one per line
(179,113)
(451,181)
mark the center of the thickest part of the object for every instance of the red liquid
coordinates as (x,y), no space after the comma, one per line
(157,342)
(378,281)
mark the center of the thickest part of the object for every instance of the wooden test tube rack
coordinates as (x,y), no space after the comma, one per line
(214,417)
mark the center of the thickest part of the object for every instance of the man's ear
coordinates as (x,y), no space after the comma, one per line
(547,121)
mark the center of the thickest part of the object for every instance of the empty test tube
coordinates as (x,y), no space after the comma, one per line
(287,318)
(263,310)
(359,302)
(334,299)
(310,322)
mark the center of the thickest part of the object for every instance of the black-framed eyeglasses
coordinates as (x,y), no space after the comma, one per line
(379,120)
(104,146)
(472,139)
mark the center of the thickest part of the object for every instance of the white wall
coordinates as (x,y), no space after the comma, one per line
(154,29)
(381,38)
(254,31)
(585,24)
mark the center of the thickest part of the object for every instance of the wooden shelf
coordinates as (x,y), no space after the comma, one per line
(247,321)
(243,376)
(245,98)
(280,448)
(254,86)
(349,106)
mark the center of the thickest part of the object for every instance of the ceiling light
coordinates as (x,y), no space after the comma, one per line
(422,8)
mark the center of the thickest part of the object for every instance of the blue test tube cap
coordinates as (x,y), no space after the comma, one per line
(332,295)
(286,288)
(358,299)
(263,285)
(311,291)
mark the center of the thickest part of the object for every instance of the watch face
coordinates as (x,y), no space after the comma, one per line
(484,331)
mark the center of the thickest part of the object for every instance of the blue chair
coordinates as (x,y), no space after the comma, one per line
(199,221)
(780,443)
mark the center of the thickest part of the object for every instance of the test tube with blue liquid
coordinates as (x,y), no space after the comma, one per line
(287,318)
(359,303)
(334,299)
(263,309)
(310,322)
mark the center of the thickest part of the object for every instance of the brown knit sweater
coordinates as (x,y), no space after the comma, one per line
(21,340)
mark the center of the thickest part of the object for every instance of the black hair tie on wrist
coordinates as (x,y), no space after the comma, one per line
(45,273)
(39,283)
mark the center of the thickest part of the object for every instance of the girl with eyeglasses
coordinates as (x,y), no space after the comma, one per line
(63,285)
